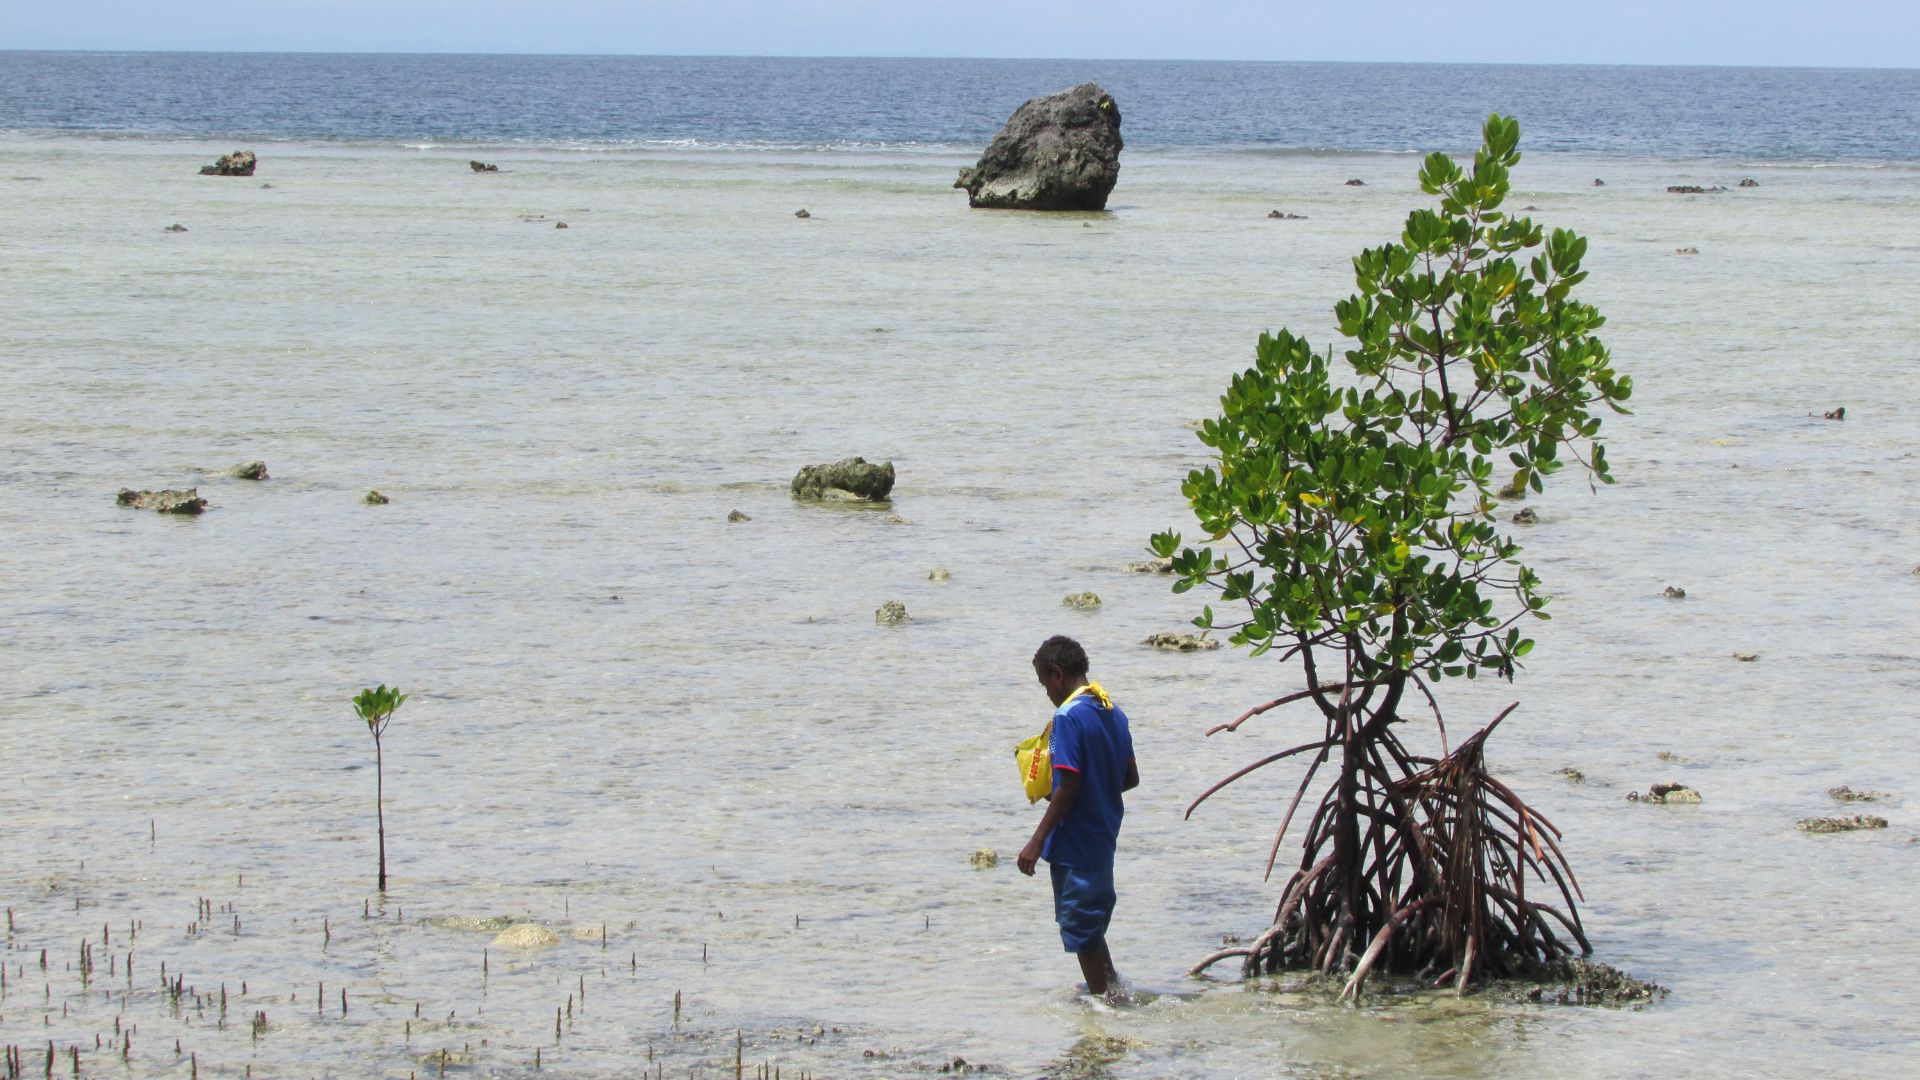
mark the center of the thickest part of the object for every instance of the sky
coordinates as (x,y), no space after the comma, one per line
(1837,33)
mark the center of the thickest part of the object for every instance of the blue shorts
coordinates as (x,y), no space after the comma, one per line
(1082,904)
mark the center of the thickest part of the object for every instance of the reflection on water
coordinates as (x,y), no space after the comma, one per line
(633,713)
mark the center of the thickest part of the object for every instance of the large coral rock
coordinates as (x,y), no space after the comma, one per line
(238,163)
(1060,152)
(851,478)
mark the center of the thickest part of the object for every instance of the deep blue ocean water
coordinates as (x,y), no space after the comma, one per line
(598,102)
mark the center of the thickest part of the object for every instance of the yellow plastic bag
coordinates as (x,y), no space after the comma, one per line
(1035,758)
(1035,755)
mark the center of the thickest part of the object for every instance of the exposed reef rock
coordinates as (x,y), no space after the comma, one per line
(849,479)
(481,166)
(892,613)
(1182,642)
(1666,793)
(249,470)
(167,501)
(238,163)
(1059,152)
(1085,601)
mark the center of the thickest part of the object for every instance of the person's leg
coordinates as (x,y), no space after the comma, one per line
(1096,964)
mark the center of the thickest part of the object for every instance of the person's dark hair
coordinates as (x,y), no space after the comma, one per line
(1062,653)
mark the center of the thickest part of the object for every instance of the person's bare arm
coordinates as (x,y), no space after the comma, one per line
(1066,787)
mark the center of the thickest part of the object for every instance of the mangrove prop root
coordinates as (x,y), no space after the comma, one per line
(1414,865)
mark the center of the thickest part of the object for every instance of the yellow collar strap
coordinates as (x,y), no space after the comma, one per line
(1099,694)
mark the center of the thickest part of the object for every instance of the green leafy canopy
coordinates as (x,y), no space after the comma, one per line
(1360,516)
(377,706)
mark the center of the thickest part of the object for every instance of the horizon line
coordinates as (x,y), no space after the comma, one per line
(999,59)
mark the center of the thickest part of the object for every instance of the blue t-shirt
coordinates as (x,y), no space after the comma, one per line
(1095,743)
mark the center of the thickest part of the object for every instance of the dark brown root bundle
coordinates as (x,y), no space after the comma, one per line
(1413,865)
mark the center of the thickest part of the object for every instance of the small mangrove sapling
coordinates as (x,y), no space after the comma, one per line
(377,707)
(1356,508)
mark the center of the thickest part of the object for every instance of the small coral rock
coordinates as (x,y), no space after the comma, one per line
(1165,566)
(525,936)
(939,573)
(986,859)
(374,498)
(1526,516)
(1674,592)
(167,501)
(1855,823)
(736,515)
(852,478)
(249,470)
(1666,793)
(238,163)
(892,613)
(1846,794)
(1182,642)
(1085,601)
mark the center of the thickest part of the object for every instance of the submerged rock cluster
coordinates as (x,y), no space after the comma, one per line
(1182,642)
(1843,793)
(1855,823)
(1584,982)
